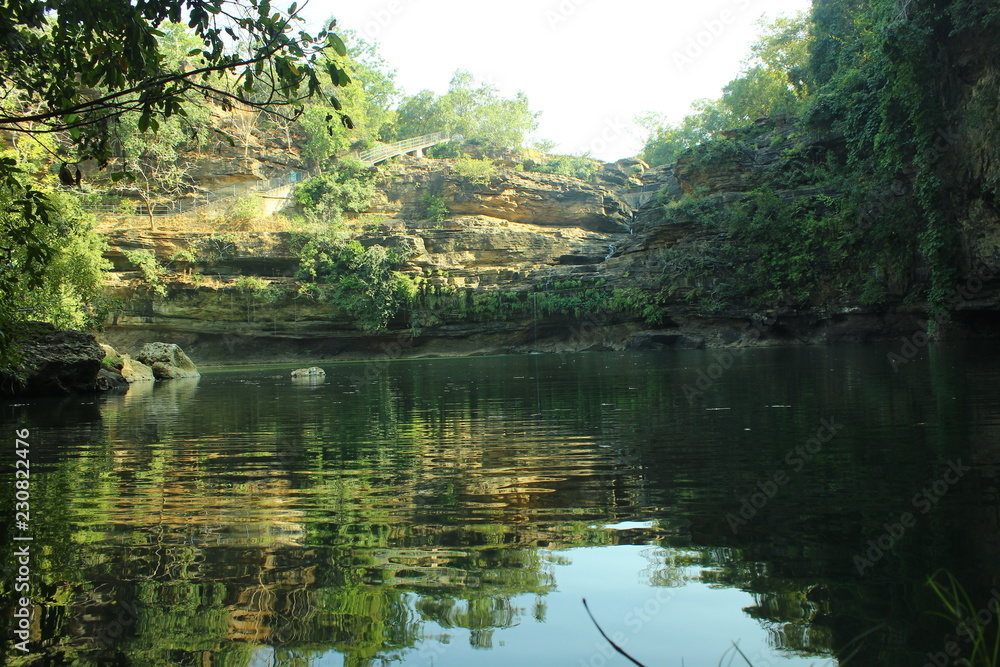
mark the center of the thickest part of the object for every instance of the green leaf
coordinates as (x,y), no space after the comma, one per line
(337,43)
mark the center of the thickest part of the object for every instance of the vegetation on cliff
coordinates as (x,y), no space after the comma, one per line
(76,70)
(889,137)
(860,189)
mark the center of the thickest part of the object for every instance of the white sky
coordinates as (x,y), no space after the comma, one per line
(590,66)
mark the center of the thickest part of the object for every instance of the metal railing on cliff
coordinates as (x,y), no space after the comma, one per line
(190,204)
(379,153)
(187,205)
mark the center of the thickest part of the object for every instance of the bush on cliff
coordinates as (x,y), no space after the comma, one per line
(348,188)
(359,283)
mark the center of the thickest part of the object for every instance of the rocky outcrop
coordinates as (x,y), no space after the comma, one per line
(127,368)
(568,242)
(547,200)
(135,371)
(167,360)
(57,362)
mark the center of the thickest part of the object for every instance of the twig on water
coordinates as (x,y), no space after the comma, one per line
(608,639)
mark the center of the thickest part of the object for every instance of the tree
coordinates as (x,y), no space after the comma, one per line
(667,141)
(776,79)
(76,68)
(78,65)
(368,100)
(475,111)
(151,162)
(52,266)
(327,196)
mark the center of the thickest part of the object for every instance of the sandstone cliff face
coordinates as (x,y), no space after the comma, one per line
(512,233)
(548,200)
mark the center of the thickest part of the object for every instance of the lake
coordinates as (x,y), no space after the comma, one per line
(457,511)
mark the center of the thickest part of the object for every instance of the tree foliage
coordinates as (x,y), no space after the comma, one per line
(473,110)
(52,266)
(79,70)
(348,188)
(359,283)
(76,66)
(776,80)
(905,97)
(369,100)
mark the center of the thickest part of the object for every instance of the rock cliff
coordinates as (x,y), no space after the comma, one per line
(568,263)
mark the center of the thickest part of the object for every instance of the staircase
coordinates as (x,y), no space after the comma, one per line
(415,145)
(268,189)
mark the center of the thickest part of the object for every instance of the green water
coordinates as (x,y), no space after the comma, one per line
(455,512)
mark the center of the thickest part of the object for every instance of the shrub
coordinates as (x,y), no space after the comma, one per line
(151,270)
(433,206)
(243,209)
(568,165)
(347,189)
(360,282)
(475,171)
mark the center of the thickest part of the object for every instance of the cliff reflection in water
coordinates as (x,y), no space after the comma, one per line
(240,515)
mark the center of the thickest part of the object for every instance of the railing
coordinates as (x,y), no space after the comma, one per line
(187,205)
(379,153)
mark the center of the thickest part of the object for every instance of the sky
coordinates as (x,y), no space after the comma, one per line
(590,66)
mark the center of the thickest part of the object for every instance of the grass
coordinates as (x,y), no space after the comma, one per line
(960,610)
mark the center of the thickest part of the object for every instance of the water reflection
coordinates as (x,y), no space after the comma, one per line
(449,506)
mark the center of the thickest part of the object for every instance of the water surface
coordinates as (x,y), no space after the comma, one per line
(456,511)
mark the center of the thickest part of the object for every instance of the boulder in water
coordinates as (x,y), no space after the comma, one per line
(311,372)
(167,361)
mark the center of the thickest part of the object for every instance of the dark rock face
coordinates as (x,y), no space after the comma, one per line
(660,340)
(110,380)
(56,362)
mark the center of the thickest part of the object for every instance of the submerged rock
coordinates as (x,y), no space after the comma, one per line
(167,361)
